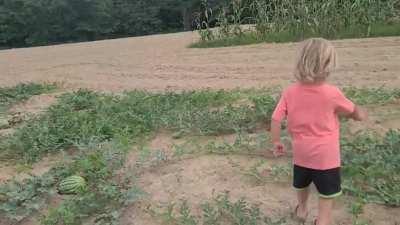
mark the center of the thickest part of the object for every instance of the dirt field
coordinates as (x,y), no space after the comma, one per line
(163,62)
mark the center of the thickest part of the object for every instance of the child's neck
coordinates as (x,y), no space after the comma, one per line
(317,83)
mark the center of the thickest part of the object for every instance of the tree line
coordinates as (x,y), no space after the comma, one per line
(41,22)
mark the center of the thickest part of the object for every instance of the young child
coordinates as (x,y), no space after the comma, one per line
(312,107)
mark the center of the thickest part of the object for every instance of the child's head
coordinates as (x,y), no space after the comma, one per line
(316,61)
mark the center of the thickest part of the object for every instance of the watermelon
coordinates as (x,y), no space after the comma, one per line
(72,185)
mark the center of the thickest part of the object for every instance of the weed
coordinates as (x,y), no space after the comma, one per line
(221,210)
(23,198)
(263,173)
(21,92)
(356,208)
(370,165)
(84,116)
(244,143)
(149,158)
(280,171)
(372,96)
(12,95)
(99,165)
(255,174)
(103,127)
(105,195)
(102,205)
(186,216)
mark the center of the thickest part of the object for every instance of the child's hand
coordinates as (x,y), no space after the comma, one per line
(279,149)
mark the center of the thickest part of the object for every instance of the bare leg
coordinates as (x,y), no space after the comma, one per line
(325,211)
(302,197)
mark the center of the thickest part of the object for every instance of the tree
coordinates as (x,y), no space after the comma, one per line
(42,22)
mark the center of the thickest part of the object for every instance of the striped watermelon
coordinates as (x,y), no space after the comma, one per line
(72,185)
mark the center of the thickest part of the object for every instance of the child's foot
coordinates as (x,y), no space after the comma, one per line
(300,214)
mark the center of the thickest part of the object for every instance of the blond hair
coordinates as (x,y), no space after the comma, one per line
(316,61)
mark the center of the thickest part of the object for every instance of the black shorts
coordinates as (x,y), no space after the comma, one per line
(327,182)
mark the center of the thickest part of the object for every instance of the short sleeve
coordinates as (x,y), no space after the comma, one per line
(280,111)
(342,104)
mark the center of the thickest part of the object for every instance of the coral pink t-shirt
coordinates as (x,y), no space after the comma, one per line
(313,123)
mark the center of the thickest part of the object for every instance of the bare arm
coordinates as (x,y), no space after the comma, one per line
(275,131)
(279,149)
(359,114)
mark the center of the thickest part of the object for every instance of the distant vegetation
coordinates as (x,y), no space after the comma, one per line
(284,20)
(41,22)
(25,23)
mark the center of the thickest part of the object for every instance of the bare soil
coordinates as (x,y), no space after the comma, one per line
(19,172)
(35,105)
(199,179)
(163,62)
(381,119)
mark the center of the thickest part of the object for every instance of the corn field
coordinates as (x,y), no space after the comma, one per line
(301,18)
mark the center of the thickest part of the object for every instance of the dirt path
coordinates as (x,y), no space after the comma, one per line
(162,62)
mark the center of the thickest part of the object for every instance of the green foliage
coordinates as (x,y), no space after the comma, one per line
(42,22)
(247,38)
(203,20)
(21,92)
(372,96)
(221,210)
(370,166)
(20,199)
(275,173)
(323,18)
(244,144)
(102,127)
(102,205)
(104,195)
(284,20)
(83,117)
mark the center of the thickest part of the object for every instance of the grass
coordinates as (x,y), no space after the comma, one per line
(13,95)
(22,92)
(220,210)
(83,117)
(243,144)
(370,166)
(377,30)
(87,121)
(372,96)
